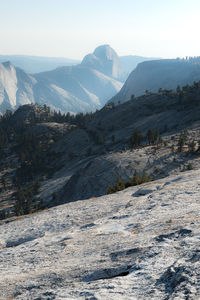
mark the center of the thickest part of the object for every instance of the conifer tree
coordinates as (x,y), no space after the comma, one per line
(136,138)
(150,136)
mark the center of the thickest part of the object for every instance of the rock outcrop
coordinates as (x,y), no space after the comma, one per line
(105,60)
(153,75)
(138,243)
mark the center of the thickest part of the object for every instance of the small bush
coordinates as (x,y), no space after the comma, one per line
(135,180)
(190,166)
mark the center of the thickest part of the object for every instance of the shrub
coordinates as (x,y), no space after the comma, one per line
(135,180)
(190,166)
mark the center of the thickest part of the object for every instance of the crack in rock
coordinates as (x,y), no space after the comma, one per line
(130,252)
(176,235)
(108,273)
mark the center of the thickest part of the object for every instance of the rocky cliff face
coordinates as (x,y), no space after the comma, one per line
(105,60)
(130,62)
(139,243)
(16,87)
(153,75)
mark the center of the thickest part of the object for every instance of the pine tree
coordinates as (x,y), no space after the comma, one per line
(150,136)
(136,138)
(182,140)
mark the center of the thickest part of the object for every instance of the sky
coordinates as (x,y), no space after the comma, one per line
(74,28)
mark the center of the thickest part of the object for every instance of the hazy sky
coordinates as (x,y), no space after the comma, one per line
(73,28)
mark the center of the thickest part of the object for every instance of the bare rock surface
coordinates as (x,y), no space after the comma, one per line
(92,176)
(139,243)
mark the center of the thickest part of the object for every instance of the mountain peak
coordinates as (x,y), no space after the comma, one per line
(104,59)
(105,52)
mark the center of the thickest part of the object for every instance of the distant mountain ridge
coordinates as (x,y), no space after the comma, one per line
(106,60)
(156,74)
(36,64)
(82,87)
(130,62)
(75,89)
(101,56)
